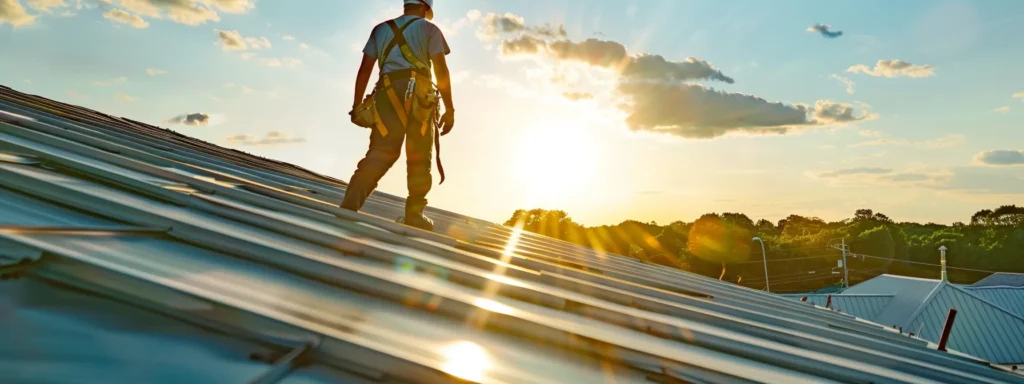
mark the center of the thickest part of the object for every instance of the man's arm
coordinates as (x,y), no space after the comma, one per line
(444,85)
(444,80)
(362,79)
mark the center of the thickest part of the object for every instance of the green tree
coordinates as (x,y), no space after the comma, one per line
(716,240)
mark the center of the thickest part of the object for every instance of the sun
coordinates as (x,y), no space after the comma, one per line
(555,161)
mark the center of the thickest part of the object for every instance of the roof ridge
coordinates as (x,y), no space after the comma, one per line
(971,287)
(931,296)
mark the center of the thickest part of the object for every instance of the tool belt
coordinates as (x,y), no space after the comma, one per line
(419,104)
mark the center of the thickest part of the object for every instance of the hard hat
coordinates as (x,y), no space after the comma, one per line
(428,3)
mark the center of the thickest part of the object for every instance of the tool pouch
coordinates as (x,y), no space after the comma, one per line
(363,115)
(425,98)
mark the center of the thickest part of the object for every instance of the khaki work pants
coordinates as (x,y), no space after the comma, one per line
(385,150)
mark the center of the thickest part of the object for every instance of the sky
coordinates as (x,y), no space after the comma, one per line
(652,110)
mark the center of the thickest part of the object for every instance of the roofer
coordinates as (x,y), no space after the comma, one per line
(403,105)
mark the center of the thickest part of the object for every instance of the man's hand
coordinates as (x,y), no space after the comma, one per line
(447,121)
(352,115)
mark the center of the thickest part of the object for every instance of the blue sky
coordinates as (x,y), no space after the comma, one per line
(916,142)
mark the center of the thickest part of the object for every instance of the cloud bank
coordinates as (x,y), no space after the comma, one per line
(658,94)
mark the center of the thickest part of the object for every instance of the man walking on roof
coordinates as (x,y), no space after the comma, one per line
(402,106)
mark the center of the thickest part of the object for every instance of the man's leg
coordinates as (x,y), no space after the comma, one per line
(377,161)
(418,154)
(383,153)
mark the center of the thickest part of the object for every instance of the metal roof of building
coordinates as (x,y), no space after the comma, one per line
(1010,299)
(862,306)
(1001,279)
(989,322)
(211,241)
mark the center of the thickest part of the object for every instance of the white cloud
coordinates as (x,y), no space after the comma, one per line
(234,41)
(1018,95)
(114,81)
(12,12)
(871,133)
(247,56)
(945,141)
(271,138)
(274,62)
(45,6)
(1000,157)
(657,94)
(1004,108)
(249,91)
(288,38)
(28,81)
(155,71)
(894,68)
(303,46)
(123,17)
(849,83)
(126,98)
(194,119)
(188,12)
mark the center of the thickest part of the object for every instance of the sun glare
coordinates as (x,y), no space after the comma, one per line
(466,360)
(556,161)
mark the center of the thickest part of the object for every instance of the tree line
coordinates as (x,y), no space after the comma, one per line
(803,252)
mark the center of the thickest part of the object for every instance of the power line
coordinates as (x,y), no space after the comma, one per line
(921,263)
(789,259)
(803,280)
(788,275)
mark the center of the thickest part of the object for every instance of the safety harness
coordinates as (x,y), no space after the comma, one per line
(421,72)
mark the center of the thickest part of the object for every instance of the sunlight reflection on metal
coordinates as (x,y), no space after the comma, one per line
(466,360)
(493,306)
(505,280)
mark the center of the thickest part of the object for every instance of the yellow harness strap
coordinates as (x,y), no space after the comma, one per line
(395,101)
(380,124)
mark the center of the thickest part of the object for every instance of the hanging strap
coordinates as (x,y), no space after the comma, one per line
(437,151)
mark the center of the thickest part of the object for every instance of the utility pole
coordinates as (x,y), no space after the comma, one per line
(846,270)
(764,255)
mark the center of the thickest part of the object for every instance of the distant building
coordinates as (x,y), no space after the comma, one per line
(989,322)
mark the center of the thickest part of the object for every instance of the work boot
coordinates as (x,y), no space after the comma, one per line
(414,218)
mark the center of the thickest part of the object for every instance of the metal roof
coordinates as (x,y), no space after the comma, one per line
(260,251)
(989,322)
(1001,279)
(862,306)
(1010,299)
(909,294)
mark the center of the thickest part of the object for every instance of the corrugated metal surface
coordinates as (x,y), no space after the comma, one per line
(910,293)
(980,329)
(49,331)
(1001,279)
(198,232)
(863,306)
(1011,299)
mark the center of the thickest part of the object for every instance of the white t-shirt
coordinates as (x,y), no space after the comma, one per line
(424,38)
